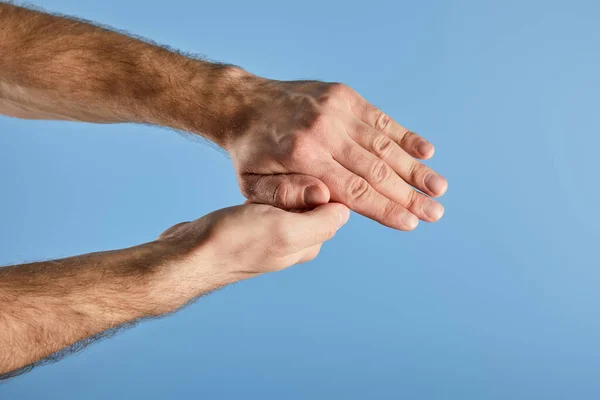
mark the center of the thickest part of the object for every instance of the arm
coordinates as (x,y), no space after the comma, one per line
(294,144)
(59,68)
(47,306)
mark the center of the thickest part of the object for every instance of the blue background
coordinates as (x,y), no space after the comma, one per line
(498,300)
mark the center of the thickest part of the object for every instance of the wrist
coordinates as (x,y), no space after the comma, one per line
(180,272)
(211,100)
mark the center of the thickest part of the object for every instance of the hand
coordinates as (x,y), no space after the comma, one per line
(95,292)
(255,238)
(307,142)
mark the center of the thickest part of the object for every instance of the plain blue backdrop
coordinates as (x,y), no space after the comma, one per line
(499,300)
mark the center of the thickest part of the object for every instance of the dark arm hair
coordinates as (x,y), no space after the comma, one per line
(59,67)
(67,351)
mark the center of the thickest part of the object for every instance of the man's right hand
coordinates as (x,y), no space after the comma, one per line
(243,241)
(65,301)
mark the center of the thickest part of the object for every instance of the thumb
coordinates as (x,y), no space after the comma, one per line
(316,226)
(287,191)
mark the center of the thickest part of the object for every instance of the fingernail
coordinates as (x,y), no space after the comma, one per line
(409,220)
(436,184)
(313,196)
(424,147)
(344,217)
(433,209)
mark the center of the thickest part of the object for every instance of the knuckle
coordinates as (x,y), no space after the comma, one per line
(325,100)
(319,121)
(358,190)
(414,200)
(335,95)
(392,211)
(337,89)
(341,96)
(315,123)
(407,138)
(382,146)
(388,211)
(280,194)
(379,171)
(382,121)
(247,188)
(417,172)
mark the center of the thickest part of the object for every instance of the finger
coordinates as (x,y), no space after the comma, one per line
(409,169)
(287,191)
(412,143)
(355,192)
(304,230)
(385,181)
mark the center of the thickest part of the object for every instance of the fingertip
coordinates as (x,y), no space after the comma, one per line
(433,210)
(336,211)
(425,149)
(409,222)
(314,195)
(344,215)
(437,185)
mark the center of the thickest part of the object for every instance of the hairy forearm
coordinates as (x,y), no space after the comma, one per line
(47,306)
(53,67)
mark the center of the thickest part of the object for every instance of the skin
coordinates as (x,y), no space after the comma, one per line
(48,306)
(294,144)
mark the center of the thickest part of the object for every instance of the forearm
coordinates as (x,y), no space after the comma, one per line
(57,68)
(47,306)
